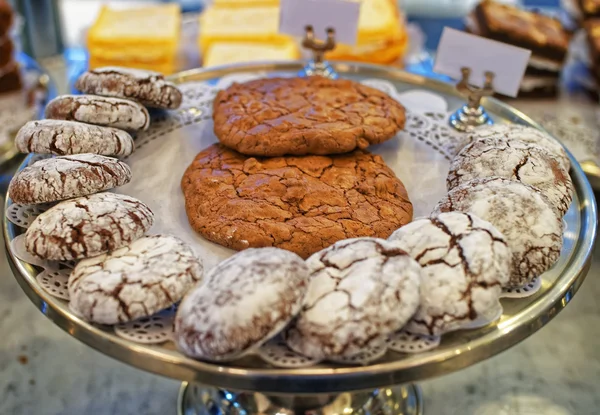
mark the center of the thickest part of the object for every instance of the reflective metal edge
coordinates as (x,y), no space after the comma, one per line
(170,363)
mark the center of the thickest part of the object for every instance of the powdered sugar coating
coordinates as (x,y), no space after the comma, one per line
(69,137)
(88,226)
(136,281)
(149,88)
(246,300)
(465,261)
(94,109)
(65,177)
(361,291)
(523,215)
(513,160)
(525,134)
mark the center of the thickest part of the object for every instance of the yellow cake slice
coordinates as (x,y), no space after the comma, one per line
(245,3)
(224,53)
(251,24)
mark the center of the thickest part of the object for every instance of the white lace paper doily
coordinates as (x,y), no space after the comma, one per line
(176,137)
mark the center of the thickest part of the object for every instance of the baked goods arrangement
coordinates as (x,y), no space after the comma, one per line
(10,74)
(234,31)
(545,36)
(332,266)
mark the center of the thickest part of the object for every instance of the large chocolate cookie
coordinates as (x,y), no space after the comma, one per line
(465,261)
(302,204)
(87,226)
(297,116)
(65,177)
(149,88)
(135,281)
(525,217)
(246,300)
(94,109)
(515,160)
(69,137)
(361,291)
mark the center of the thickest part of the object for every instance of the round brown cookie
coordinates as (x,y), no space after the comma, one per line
(302,204)
(246,300)
(297,116)
(529,135)
(69,137)
(149,88)
(94,109)
(65,177)
(465,261)
(136,281)
(87,226)
(513,160)
(361,291)
(522,214)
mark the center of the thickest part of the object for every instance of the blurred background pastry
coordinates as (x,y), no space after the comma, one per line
(10,76)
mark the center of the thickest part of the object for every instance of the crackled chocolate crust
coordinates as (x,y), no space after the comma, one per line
(87,226)
(65,177)
(149,88)
(105,111)
(246,300)
(515,160)
(522,214)
(135,281)
(302,204)
(298,116)
(361,291)
(465,261)
(543,35)
(68,137)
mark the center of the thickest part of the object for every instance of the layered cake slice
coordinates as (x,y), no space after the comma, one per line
(543,35)
(10,75)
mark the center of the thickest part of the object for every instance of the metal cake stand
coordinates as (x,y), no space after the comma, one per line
(251,386)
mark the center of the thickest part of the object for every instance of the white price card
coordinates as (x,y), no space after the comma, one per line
(459,49)
(341,15)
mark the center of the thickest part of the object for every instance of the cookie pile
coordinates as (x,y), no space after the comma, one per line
(518,179)
(121,275)
(291,170)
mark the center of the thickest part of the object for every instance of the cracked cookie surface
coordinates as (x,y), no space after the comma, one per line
(65,177)
(302,204)
(524,216)
(529,135)
(87,226)
(149,88)
(67,137)
(465,261)
(135,281)
(361,290)
(298,116)
(245,300)
(104,111)
(513,160)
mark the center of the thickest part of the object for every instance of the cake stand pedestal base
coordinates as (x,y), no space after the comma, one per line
(197,399)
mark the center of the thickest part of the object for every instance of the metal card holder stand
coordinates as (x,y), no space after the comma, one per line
(318,65)
(472,114)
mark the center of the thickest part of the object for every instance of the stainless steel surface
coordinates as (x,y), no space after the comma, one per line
(195,399)
(458,350)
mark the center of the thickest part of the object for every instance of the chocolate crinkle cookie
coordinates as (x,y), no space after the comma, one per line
(136,281)
(245,301)
(149,88)
(515,160)
(87,226)
(298,116)
(466,262)
(529,135)
(361,291)
(521,213)
(105,111)
(68,137)
(65,177)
